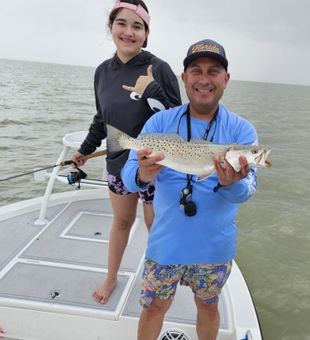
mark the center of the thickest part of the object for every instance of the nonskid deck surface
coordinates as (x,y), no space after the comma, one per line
(59,265)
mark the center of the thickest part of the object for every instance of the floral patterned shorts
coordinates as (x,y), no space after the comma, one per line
(117,186)
(160,281)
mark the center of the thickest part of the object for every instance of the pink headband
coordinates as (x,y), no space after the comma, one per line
(139,10)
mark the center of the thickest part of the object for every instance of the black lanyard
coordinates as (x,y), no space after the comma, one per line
(189,134)
(206,134)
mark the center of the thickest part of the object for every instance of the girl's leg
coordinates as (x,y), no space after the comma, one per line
(148,215)
(124,209)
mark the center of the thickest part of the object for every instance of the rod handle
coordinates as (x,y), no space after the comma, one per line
(86,157)
(94,154)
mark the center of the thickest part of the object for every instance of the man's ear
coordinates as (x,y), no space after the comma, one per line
(227,77)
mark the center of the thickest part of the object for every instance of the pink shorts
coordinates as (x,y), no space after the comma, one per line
(117,186)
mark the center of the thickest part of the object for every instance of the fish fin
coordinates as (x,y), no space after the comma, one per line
(200,141)
(204,176)
(164,136)
(113,138)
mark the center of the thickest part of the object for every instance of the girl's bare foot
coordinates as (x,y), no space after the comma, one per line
(103,292)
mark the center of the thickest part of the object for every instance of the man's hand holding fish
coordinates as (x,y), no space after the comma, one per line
(148,167)
(227,175)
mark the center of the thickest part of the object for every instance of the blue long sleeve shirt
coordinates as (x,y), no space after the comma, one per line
(209,237)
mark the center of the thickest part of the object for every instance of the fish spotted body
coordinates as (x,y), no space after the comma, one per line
(195,157)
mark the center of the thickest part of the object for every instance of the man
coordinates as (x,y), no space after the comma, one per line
(193,237)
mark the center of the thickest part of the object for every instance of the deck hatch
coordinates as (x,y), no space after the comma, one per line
(62,286)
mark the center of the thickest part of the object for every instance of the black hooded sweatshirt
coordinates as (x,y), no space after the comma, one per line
(117,107)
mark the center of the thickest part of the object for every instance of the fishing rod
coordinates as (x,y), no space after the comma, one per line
(63,163)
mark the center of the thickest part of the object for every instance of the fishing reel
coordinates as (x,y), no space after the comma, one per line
(186,203)
(76,177)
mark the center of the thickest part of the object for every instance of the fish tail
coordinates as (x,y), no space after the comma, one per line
(115,139)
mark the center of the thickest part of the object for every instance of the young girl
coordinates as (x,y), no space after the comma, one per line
(129,87)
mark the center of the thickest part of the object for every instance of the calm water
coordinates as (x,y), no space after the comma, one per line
(40,103)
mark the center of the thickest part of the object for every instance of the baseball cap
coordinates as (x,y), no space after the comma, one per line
(206,48)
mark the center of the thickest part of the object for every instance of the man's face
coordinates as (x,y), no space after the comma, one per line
(205,80)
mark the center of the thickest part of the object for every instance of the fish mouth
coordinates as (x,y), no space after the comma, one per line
(262,160)
(267,163)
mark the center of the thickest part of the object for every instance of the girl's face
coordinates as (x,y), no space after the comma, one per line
(128,33)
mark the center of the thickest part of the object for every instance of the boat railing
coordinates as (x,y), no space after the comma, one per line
(70,141)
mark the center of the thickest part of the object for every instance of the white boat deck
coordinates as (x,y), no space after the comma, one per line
(48,273)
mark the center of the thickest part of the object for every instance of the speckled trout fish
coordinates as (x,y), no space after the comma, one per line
(195,157)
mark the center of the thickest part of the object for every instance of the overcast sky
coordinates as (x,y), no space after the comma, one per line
(265,40)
